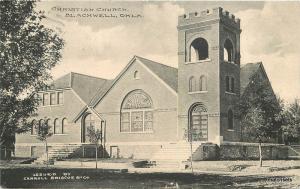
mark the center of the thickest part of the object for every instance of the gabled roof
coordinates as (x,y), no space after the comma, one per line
(166,73)
(85,86)
(247,71)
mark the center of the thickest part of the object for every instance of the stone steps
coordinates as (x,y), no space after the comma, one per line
(174,152)
(57,152)
(296,148)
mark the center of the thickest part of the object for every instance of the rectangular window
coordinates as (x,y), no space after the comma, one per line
(125,124)
(137,121)
(148,125)
(52,98)
(45,99)
(60,98)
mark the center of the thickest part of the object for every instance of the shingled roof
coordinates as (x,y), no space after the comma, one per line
(84,85)
(247,71)
(166,73)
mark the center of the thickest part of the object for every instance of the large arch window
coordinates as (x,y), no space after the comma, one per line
(198,50)
(228,51)
(230,119)
(198,123)
(136,113)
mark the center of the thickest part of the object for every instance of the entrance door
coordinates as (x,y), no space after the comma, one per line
(198,123)
(33,152)
(89,121)
(84,134)
(114,152)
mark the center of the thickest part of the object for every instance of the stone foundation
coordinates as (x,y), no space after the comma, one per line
(250,151)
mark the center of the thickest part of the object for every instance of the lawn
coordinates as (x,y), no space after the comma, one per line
(91,178)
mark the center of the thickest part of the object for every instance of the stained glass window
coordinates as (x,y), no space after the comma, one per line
(136,113)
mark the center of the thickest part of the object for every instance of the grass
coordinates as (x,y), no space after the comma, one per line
(105,179)
(104,160)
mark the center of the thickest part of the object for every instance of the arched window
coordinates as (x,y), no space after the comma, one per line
(63,124)
(34,127)
(57,126)
(227,84)
(136,112)
(198,122)
(192,84)
(203,83)
(230,119)
(232,85)
(41,122)
(48,123)
(136,75)
(198,50)
(228,51)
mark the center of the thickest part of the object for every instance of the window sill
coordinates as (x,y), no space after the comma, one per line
(231,130)
(149,132)
(199,61)
(231,93)
(197,92)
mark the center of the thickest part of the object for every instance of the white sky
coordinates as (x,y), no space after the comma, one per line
(103,46)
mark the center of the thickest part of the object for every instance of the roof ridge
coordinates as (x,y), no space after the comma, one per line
(87,75)
(99,90)
(249,63)
(155,62)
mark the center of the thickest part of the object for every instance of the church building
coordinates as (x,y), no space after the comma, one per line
(151,108)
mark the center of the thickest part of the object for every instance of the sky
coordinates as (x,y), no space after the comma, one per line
(102,47)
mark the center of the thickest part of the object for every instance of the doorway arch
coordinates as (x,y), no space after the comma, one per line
(198,122)
(89,120)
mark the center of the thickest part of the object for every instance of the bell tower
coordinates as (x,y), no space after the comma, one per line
(208,76)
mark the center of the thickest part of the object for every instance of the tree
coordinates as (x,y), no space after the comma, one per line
(259,95)
(260,113)
(94,136)
(291,127)
(28,51)
(43,133)
(255,128)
